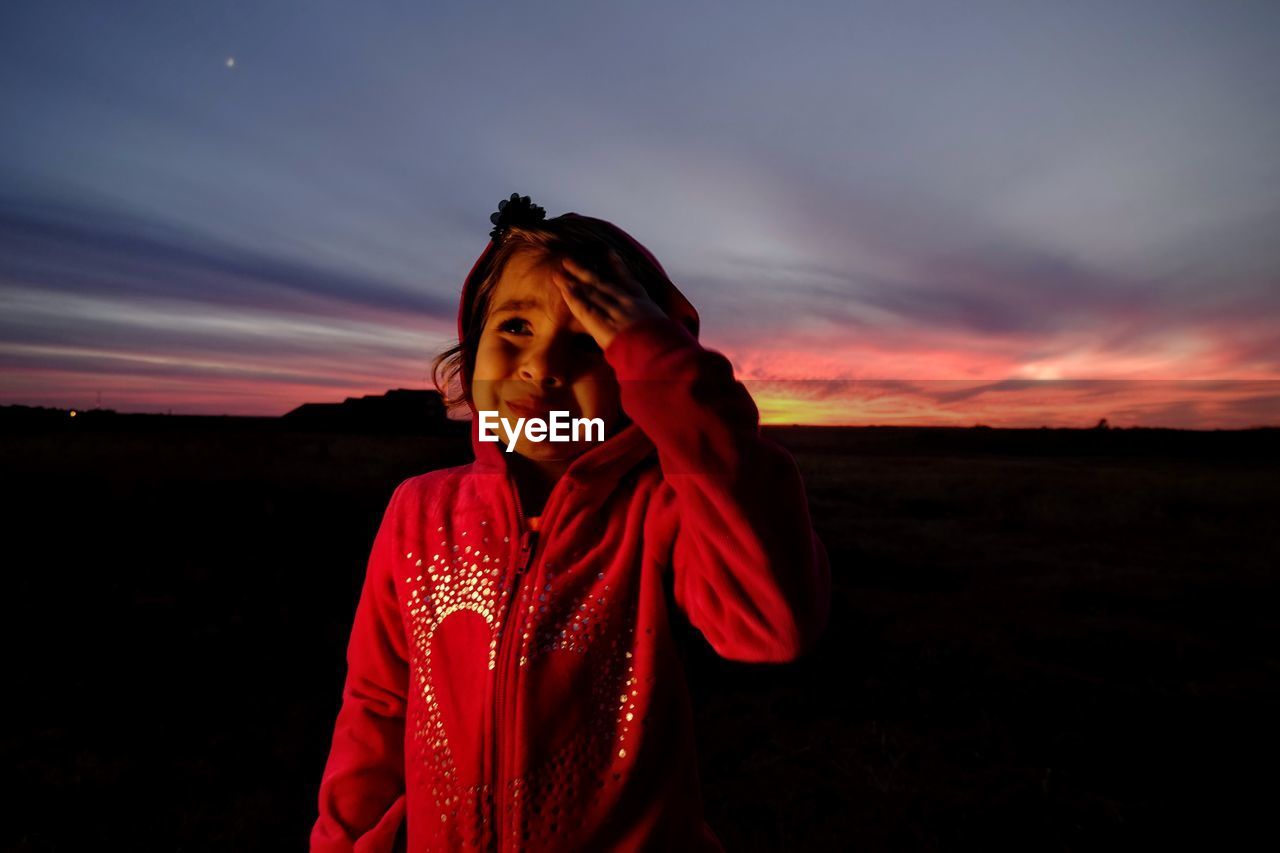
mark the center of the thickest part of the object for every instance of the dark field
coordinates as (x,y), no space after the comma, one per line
(1041,639)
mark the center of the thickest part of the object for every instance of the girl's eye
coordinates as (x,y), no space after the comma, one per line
(514,325)
(517,326)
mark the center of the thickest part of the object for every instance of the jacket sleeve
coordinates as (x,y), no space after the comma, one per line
(362,802)
(749,571)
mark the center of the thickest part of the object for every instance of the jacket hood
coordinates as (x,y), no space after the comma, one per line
(609,460)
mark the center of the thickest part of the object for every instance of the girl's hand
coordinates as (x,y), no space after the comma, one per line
(604,306)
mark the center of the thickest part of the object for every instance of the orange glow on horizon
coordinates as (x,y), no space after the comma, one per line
(138,382)
(1020,403)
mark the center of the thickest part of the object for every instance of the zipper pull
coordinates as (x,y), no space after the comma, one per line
(528,539)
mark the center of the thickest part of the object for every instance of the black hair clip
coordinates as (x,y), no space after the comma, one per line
(517,210)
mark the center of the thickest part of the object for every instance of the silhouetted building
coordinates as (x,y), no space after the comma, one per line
(402,410)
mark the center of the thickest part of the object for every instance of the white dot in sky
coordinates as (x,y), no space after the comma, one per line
(231,62)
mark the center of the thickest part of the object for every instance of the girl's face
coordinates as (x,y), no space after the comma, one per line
(534,357)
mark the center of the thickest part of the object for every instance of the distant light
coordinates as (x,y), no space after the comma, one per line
(1040,371)
(73,413)
(231,62)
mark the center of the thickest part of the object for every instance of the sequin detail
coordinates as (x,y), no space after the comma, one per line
(454,579)
(561,610)
(540,804)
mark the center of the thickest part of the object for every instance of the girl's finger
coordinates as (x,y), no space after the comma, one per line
(580,296)
(619,286)
(615,290)
(595,289)
(570,289)
(574,284)
(577,269)
(598,303)
(622,274)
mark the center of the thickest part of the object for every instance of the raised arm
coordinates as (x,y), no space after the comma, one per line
(362,790)
(750,572)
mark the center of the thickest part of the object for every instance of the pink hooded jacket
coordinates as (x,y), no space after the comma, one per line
(511,688)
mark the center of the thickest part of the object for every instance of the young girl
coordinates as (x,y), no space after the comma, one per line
(513,681)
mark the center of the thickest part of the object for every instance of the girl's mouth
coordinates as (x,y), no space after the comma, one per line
(529,409)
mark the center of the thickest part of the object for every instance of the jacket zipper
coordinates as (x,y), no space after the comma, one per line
(524,560)
(528,545)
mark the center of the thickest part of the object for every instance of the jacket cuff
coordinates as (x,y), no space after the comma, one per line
(651,349)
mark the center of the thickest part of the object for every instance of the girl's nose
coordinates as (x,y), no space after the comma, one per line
(545,365)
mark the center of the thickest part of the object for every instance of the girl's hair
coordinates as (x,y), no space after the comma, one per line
(582,238)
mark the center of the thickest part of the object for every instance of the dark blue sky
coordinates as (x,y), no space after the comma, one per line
(901,190)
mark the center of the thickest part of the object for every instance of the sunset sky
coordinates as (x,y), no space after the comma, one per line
(1013,213)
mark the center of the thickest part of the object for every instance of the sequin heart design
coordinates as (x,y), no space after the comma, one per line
(461,675)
